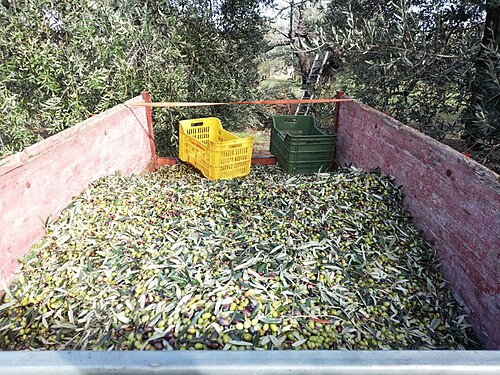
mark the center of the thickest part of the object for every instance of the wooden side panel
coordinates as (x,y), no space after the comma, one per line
(36,184)
(454,200)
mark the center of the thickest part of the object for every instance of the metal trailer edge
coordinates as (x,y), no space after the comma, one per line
(250,362)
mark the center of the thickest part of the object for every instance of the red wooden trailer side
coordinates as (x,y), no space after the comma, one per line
(453,199)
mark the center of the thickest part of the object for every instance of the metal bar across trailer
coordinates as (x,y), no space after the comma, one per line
(250,362)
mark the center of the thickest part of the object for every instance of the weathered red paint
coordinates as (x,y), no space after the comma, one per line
(340,95)
(149,116)
(264,160)
(169,160)
(36,184)
(454,200)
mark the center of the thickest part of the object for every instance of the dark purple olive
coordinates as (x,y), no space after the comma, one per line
(158,345)
(213,345)
(223,321)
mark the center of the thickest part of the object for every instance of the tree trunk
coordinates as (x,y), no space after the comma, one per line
(304,65)
(474,134)
(296,36)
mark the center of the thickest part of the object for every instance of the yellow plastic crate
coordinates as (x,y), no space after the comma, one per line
(217,153)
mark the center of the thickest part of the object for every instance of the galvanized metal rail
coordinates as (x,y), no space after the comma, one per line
(251,362)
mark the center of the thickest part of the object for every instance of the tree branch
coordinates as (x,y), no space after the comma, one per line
(295,50)
(280,32)
(278,43)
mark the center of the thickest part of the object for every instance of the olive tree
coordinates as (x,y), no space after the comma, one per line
(482,119)
(433,64)
(62,61)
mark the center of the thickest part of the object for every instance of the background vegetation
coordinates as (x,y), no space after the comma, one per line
(61,61)
(433,64)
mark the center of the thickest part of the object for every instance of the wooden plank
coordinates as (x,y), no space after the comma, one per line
(443,206)
(448,164)
(390,154)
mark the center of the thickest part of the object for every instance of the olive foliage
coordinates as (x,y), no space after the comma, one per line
(415,59)
(412,59)
(426,62)
(61,61)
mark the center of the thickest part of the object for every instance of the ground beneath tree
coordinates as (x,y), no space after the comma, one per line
(261,140)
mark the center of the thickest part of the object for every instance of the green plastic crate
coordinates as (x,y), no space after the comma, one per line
(299,146)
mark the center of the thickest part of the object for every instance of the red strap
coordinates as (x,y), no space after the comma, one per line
(258,102)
